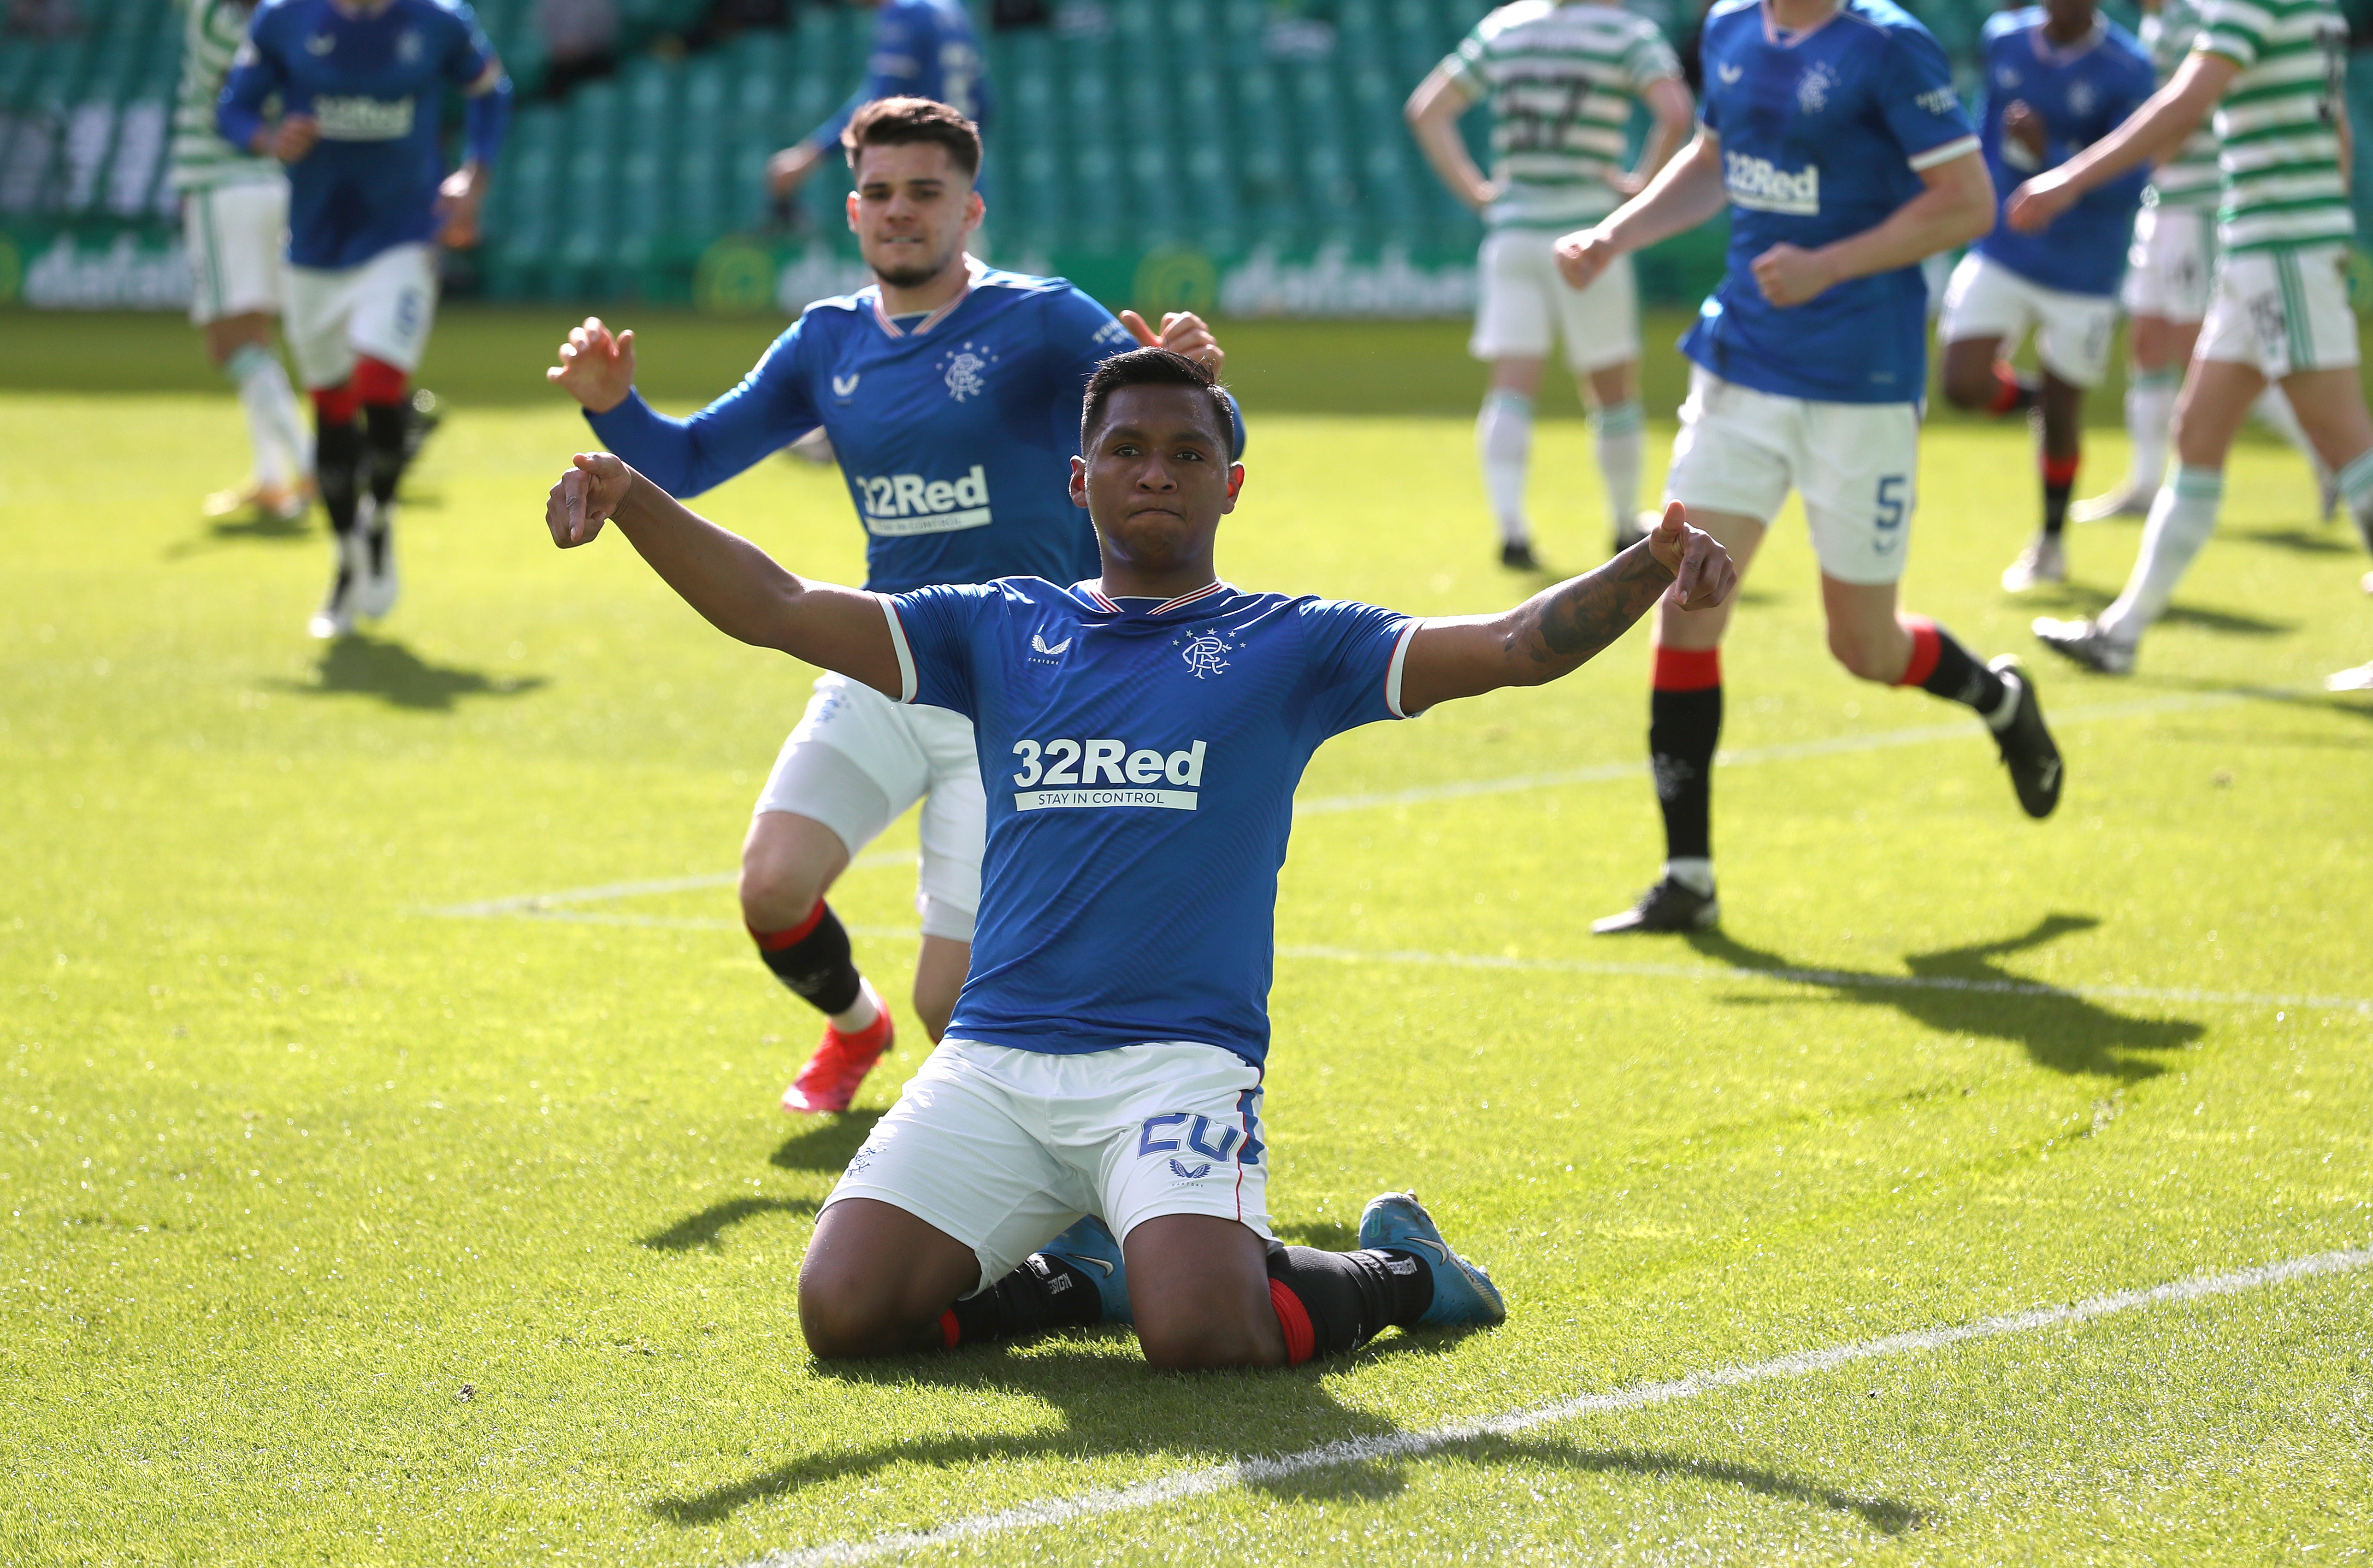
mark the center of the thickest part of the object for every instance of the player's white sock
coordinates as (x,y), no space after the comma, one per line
(1503,439)
(1623,430)
(1694,873)
(859,1014)
(275,428)
(2150,408)
(2181,518)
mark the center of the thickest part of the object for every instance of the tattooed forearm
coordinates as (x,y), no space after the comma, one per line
(1566,624)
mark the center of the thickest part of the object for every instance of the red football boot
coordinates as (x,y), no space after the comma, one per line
(829,1080)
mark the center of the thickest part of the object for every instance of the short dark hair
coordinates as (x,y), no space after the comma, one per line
(1155,368)
(900,122)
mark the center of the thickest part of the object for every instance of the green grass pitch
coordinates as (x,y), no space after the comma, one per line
(339,1226)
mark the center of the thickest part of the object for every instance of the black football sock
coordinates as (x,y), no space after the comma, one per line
(1331,1302)
(1044,1294)
(1942,667)
(2058,481)
(813,958)
(1684,729)
(384,426)
(337,469)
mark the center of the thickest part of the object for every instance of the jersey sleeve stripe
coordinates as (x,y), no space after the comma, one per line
(898,642)
(1393,671)
(1944,154)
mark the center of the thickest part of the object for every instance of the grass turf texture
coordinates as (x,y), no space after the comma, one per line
(338,1229)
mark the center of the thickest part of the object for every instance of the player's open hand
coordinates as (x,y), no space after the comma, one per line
(1583,255)
(596,367)
(1790,275)
(1183,331)
(2036,203)
(1703,573)
(292,137)
(594,486)
(2026,139)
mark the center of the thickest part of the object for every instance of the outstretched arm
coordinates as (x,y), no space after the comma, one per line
(2152,131)
(1685,192)
(1556,631)
(732,582)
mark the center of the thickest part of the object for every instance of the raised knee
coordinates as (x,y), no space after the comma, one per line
(1207,1342)
(841,1319)
(775,891)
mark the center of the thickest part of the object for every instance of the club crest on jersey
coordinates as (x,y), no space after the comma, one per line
(964,366)
(2080,97)
(1763,186)
(1205,653)
(321,43)
(1813,86)
(408,46)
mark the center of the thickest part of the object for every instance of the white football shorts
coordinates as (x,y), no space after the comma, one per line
(236,237)
(1856,464)
(1523,305)
(1004,1149)
(2284,311)
(1985,298)
(2171,266)
(858,760)
(382,307)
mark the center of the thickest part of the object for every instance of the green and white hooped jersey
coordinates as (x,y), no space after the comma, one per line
(2190,180)
(1562,76)
(2278,122)
(202,159)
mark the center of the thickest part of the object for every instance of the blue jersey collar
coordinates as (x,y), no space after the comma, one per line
(972,271)
(1088,593)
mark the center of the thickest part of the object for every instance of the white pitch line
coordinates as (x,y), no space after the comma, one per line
(1204,1480)
(545,904)
(1847,978)
(1833,745)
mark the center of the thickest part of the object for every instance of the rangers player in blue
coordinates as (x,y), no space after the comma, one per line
(2059,76)
(1144,732)
(950,393)
(361,87)
(1830,130)
(921,48)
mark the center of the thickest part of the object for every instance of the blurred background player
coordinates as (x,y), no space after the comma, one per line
(920,49)
(234,227)
(2059,76)
(1561,77)
(951,393)
(2272,72)
(1832,133)
(361,87)
(2171,271)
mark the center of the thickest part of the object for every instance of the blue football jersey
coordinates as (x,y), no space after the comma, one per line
(1824,134)
(1140,760)
(2082,92)
(954,431)
(921,48)
(376,86)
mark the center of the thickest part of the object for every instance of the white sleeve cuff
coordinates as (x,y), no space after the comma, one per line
(1944,154)
(1393,671)
(898,642)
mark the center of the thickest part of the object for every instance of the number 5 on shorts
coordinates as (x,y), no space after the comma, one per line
(1890,500)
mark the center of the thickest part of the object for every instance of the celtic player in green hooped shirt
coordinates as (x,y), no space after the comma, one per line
(2271,71)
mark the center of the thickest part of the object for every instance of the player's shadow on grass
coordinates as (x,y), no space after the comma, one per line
(2305,541)
(706,1229)
(1375,1479)
(369,666)
(2089,600)
(1963,990)
(1107,1404)
(827,1146)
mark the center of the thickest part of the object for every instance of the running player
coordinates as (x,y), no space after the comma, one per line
(234,222)
(361,84)
(2271,71)
(1831,130)
(1561,77)
(921,48)
(1145,730)
(951,392)
(2058,77)
(2170,271)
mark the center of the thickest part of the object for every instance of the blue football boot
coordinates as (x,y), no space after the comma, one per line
(1088,1246)
(1463,1294)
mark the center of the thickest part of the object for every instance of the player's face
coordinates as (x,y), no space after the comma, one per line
(2070,17)
(911,211)
(1157,479)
